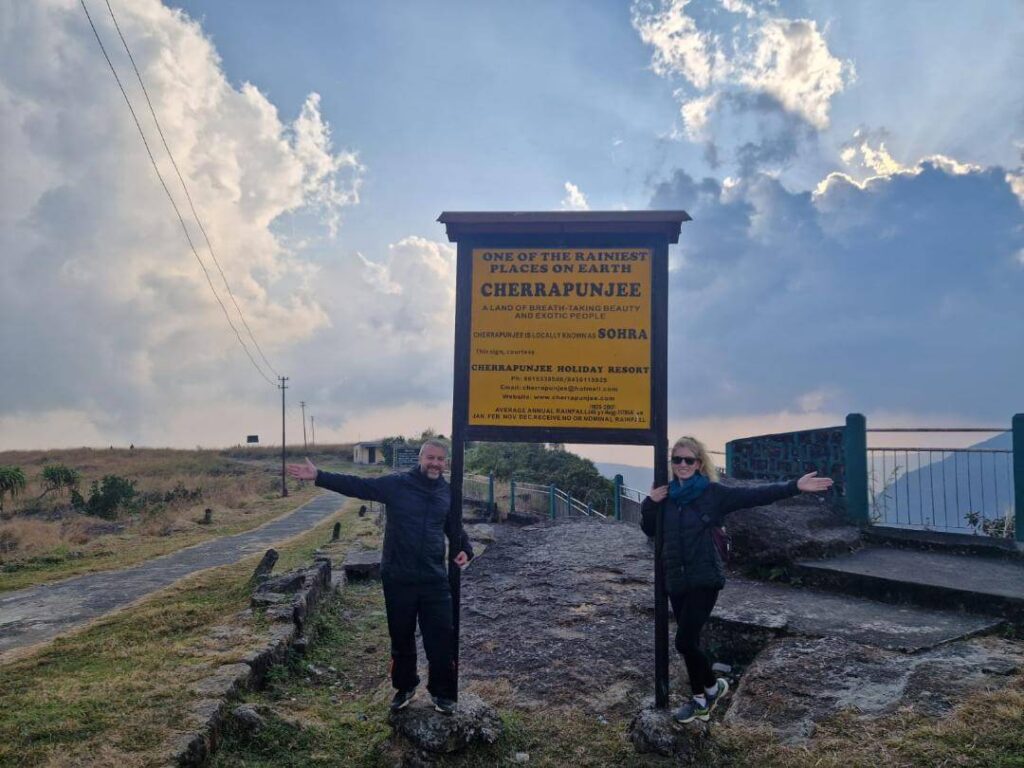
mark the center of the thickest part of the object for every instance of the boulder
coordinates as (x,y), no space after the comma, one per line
(362,564)
(654,731)
(248,719)
(793,529)
(474,723)
(796,683)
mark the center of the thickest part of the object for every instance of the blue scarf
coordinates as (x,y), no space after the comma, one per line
(683,493)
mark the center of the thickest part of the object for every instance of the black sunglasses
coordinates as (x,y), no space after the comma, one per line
(688,460)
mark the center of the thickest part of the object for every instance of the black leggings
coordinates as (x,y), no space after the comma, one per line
(692,609)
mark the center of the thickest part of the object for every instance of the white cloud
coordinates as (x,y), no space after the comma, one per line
(696,115)
(574,199)
(1016,182)
(760,53)
(109,313)
(869,161)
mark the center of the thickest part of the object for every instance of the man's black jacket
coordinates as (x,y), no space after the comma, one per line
(690,557)
(417,519)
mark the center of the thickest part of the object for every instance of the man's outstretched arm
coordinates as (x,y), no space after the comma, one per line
(371,489)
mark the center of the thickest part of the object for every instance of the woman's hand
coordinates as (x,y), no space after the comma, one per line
(657,495)
(811,483)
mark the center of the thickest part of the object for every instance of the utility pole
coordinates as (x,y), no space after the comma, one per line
(312,424)
(304,444)
(282,386)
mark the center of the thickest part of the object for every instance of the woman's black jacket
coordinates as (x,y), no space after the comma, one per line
(417,518)
(690,557)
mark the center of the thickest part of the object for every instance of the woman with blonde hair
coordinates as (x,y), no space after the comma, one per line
(695,505)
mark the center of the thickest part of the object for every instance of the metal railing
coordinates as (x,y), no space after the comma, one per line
(962,490)
(630,500)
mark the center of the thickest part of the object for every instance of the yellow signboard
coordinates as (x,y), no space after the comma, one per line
(561,337)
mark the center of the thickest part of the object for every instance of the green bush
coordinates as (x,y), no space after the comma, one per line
(538,463)
(57,477)
(107,498)
(12,483)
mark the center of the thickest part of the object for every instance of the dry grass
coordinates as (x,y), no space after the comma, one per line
(119,692)
(47,539)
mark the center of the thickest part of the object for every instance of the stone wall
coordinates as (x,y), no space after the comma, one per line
(789,455)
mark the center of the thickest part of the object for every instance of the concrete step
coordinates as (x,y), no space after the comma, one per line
(944,541)
(973,583)
(748,613)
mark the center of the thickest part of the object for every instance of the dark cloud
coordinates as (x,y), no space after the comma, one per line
(904,296)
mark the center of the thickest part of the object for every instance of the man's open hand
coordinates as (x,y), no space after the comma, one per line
(305,471)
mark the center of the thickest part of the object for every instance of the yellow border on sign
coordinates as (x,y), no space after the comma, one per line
(560,338)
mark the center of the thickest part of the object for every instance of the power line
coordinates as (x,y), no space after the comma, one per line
(174,205)
(184,188)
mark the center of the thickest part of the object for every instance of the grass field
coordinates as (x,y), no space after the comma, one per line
(117,692)
(45,538)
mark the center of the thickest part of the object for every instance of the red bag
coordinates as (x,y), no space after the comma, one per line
(722,542)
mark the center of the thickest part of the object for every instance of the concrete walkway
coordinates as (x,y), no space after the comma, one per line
(33,615)
(812,613)
(979,583)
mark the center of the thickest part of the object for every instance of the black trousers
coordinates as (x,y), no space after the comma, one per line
(692,609)
(431,605)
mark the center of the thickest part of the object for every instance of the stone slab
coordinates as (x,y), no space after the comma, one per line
(978,583)
(362,564)
(813,613)
(796,683)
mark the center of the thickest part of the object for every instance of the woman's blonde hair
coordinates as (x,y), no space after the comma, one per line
(707,466)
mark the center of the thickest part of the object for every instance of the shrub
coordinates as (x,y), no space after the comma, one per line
(12,483)
(108,497)
(57,477)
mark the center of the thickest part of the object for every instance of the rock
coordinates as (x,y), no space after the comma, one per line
(266,565)
(362,564)
(564,610)
(521,757)
(720,668)
(248,719)
(654,730)
(286,583)
(225,681)
(796,683)
(474,722)
(482,532)
(803,527)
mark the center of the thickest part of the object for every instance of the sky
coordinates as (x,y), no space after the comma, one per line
(855,174)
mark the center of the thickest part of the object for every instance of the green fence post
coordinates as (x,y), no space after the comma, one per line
(1018,477)
(618,497)
(551,500)
(490,493)
(512,501)
(855,459)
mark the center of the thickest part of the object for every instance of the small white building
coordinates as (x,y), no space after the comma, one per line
(368,453)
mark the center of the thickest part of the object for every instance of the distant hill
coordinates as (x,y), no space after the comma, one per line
(640,478)
(946,486)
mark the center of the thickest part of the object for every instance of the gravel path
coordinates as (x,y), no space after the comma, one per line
(36,614)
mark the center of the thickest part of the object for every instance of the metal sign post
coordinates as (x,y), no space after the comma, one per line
(561,336)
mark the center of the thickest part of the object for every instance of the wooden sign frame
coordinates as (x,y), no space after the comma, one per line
(652,231)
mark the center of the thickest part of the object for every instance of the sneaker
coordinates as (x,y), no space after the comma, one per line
(443,705)
(714,698)
(690,711)
(402,699)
